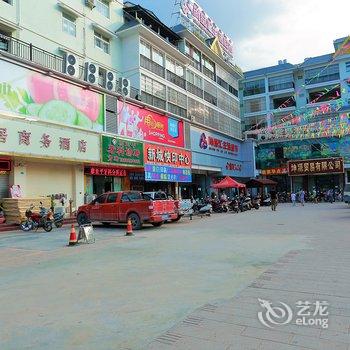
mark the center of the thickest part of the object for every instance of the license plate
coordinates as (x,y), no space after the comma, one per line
(165,217)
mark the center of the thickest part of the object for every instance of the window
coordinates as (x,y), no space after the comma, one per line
(68,24)
(254,87)
(112,198)
(157,57)
(347,66)
(4,41)
(281,83)
(208,68)
(101,42)
(101,199)
(153,93)
(102,6)
(174,67)
(255,105)
(282,102)
(321,74)
(177,97)
(324,94)
(134,196)
(145,49)
(193,53)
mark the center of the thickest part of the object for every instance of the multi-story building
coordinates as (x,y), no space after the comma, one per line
(184,72)
(71,125)
(300,113)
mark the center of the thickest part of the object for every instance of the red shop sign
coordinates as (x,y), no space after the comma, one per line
(105,171)
(164,155)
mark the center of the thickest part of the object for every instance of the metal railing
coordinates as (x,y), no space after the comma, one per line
(194,90)
(176,79)
(152,66)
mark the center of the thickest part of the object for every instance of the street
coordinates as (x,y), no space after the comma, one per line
(122,292)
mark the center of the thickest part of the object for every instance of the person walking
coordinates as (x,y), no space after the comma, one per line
(293,197)
(302,197)
(273,196)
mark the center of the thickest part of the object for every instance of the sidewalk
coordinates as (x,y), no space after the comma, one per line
(321,273)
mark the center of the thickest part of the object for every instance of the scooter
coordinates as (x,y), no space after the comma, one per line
(58,219)
(256,202)
(36,220)
(234,205)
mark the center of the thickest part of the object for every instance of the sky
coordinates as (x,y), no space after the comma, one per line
(265,31)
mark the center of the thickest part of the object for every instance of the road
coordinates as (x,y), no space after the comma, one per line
(122,292)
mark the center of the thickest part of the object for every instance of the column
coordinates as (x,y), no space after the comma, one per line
(78,186)
(18,175)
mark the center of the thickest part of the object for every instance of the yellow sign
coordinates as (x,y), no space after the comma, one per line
(216,48)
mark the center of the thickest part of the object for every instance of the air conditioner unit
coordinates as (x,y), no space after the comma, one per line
(70,65)
(91,73)
(110,81)
(124,86)
(90,3)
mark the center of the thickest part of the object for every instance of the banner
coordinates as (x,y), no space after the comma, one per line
(163,163)
(142,124)
(122,152)
(316,166)
(34,94)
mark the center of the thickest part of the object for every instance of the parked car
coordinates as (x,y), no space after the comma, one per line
(160,195)
(120,206)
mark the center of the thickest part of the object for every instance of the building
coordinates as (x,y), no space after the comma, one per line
(109,98)
(186,73)
(300,112)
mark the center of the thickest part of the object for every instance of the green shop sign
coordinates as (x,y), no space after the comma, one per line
(121,151)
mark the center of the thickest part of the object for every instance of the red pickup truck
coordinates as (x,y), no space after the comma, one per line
(120,206)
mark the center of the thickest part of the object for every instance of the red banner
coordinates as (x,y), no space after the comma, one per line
(142,124)
(164,155)
(104,171)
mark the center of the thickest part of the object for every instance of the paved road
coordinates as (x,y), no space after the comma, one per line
(316,274)
(122,292)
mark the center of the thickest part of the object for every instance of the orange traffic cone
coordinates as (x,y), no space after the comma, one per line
(129,228)
(73,240)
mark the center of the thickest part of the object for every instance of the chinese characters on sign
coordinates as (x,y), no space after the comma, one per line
(102,171)
(164,163)
(233,166)
(275,171)
(316,166)
(218,145)
(120,151)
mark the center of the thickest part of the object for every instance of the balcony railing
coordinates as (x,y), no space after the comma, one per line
(282,86)
(209,73)
(175,79)
(152,66)
(194,90)
(153,100)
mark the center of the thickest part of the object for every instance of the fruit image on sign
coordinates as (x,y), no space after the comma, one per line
(34,94)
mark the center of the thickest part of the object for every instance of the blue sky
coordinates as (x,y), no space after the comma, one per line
(265,31)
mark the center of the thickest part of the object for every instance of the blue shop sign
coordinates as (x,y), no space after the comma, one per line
(167,173)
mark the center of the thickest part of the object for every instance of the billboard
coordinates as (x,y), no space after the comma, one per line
(141,124)
(30,93)
(163,163)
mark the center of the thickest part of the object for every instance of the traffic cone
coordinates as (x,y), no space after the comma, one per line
(129,228)
(73,240)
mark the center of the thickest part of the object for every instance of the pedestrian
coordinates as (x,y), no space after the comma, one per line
(273,196)
(302,197)
(293,197)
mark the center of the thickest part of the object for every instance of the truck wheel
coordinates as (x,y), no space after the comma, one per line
(82,219)
(157,224)
(135,221)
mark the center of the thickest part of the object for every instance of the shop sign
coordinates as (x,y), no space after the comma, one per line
(275,171)
(233,166)
(316,166)
(164,163)
(193,15)
(5,165)
(136,176)
(120,151)
(42,139)
(104,171)
(142,124)
(30,93)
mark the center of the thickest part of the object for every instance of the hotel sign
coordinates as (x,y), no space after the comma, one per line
(316,166)
(195,15)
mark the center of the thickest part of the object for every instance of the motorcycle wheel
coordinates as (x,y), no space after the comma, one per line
(26,225)
(48,226)
(59,224)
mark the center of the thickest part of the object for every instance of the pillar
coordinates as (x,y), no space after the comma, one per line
(78,186)
(18,175)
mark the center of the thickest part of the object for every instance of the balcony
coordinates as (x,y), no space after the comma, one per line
(281,86)
(175,79)
(209,73)
(153,67)
(210,98)
(195,90)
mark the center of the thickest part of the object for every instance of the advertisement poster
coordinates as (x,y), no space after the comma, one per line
(142,124)
(122,152)
(163,163)
(29,93)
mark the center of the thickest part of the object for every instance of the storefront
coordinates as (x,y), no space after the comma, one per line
(119,158)
(5,169)
(46,159)
(320,174)
(215,156)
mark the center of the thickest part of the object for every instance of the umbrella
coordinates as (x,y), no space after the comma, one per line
(228,182)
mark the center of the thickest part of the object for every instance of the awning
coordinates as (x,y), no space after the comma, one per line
(228,182)
(260,183)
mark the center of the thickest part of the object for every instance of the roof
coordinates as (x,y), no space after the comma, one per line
(260,183)
(228,182)
(268,70)
(310,61)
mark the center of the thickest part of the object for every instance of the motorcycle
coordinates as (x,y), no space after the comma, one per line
(202,207)
(245,203)
(256,202)
(234,205)
(58,219)
(36,220)
(218,206)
